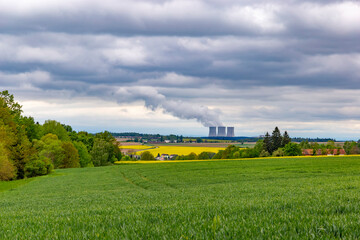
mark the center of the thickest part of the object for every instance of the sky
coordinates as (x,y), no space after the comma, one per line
(176,67)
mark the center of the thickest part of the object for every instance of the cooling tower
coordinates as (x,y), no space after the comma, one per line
(212,131)
(230,132)
(221,132)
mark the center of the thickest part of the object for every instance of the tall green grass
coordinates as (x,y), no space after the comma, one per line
(301,198)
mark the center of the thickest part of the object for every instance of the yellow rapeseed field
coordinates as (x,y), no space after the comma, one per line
(136,147)
(181,150)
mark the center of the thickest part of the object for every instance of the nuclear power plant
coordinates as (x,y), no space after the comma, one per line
(221,131)
(212,132)
(230,132)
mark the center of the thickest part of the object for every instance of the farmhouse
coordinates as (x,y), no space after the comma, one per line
(163,157)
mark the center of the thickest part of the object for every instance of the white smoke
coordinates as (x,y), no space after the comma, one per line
(153,100)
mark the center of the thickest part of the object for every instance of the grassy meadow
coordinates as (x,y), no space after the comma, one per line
(279,198)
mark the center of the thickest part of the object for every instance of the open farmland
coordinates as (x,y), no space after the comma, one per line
(180,150)
(136,147)
(294,198)
(171,149)
(219,145)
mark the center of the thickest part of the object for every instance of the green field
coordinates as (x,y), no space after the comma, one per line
(304,198)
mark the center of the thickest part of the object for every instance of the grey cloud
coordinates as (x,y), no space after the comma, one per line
(215,53)
(190,18)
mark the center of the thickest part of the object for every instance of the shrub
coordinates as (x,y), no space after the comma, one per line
(126,158)
(248,153)
(279,153)
(206,155)
(218,154)
(192,156)
(292,149)
(236,154)
(147,156)
(38,167)
(264,153)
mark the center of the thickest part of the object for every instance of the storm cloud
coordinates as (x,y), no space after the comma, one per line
(254,64)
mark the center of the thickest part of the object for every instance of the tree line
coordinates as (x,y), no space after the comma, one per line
(275,145)
(29,149)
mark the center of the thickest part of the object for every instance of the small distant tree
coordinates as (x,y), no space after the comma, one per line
(147,156)
(348,146)
(305,145)
(276,139)
(278,153)
(268,143)
(248,153)
(315,147)
(264,153)
(218,154)
(355,150)
(292,149)
(192,156)
(206,155)
(285,139)
(229,152)
(259,146)
(237,154)
(199,140)
(126,158)
(338,149)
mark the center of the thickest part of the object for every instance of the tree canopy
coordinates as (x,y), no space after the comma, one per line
(29,149)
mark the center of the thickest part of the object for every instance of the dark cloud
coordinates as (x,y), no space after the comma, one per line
(218,53)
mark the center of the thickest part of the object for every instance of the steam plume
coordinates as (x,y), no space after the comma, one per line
(153,100)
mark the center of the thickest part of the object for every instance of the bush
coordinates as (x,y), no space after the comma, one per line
(147,156)
(248,153)
(192,156)
(279,153)
(228,153)
(218,154)
(264,153)
(38,167)
(206,155)
(126,158)
(237,154)
(292,149)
